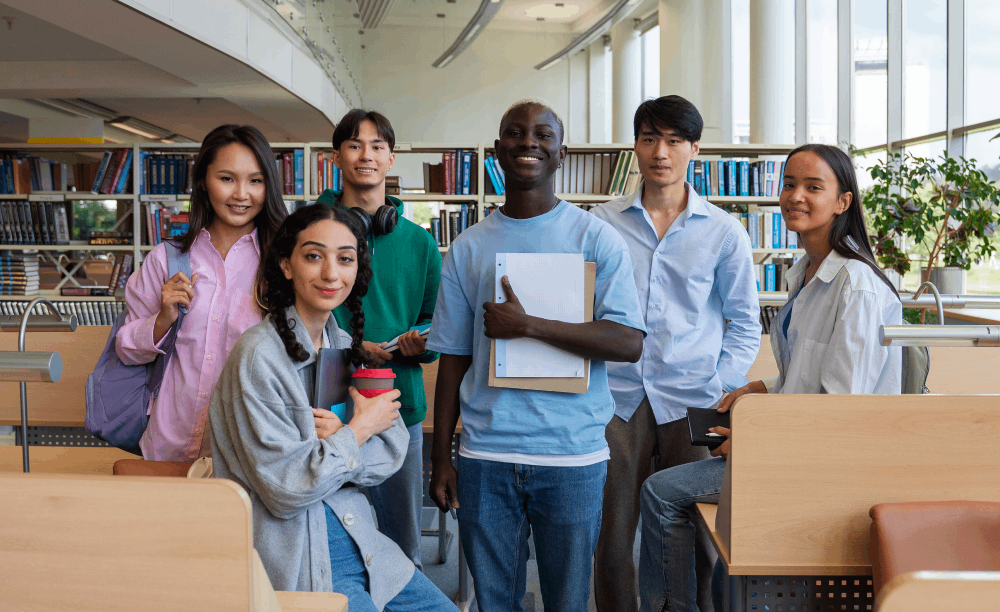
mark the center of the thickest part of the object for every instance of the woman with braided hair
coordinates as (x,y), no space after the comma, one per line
(300,465)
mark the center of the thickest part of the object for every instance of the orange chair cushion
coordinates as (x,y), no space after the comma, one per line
(943,536)
(140,467)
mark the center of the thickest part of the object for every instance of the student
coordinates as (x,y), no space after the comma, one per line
(236,207)
(528,459)
(406,270)
(300,465)
(694,275)
(825,340)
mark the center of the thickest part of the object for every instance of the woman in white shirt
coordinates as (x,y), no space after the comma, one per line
(825,340)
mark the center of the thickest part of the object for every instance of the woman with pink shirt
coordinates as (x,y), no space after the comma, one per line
(236,208)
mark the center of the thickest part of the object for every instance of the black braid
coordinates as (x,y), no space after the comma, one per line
(275,293)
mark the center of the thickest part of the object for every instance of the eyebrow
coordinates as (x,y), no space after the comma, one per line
(323,246)
(228,171)
(807,178)
(356,139)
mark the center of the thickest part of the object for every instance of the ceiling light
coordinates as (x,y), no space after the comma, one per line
(486,11)
(552,10)
(140,127)
(615,14)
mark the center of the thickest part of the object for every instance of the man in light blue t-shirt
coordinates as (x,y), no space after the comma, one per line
(528,459)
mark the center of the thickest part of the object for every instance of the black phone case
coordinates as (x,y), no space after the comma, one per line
(700,420)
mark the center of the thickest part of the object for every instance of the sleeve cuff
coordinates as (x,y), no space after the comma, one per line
(731,379)
(144,336)
(770,383)
(345,444)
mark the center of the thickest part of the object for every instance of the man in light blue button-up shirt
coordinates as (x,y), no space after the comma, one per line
(694,273)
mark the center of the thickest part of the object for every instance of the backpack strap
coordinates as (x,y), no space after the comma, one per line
(176,262)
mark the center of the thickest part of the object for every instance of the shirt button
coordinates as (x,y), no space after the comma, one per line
(348,519)
(197,430)
(215,318)
(369,558)
(209,357)
(351,463)
(204,395)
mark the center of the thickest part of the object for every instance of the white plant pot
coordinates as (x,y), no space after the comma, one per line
(948,280)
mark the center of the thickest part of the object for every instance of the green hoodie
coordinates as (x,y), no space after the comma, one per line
(406,271)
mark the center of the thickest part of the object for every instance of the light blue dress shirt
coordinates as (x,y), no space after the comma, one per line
(698,294)
(500,420)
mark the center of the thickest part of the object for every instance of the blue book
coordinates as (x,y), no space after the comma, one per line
(776,231)
(463,218)
(707,170)
(299,176)
(4,185)
(466,172)
(769,277)
(494,177)
(100,171)
(744,180)
(690,174)
(126,168)
(730,178)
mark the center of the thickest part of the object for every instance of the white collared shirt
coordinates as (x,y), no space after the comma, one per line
(826,337)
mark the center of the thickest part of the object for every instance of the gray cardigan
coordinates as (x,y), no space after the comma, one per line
(264,438)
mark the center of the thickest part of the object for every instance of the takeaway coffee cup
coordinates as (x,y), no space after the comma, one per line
(371,382)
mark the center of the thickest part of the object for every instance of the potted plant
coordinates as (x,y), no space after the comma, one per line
(946,205)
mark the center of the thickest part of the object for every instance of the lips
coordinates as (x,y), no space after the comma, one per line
(528,159)
(238,209)
(328,292)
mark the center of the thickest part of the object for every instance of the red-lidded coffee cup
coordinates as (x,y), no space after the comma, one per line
(371,382)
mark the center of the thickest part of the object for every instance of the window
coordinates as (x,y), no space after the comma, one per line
(982,77)
(979,147)
(925,64)
(871,54)
(821,71)
(651,63)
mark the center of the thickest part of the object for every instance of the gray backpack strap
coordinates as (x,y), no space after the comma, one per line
(176,262)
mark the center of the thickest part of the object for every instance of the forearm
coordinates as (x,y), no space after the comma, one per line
(451,371)
(603,340)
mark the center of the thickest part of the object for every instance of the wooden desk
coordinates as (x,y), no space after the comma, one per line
(973,316)
(934,591)
(89,460)
(296,601)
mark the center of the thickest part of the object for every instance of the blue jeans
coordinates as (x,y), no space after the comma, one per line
(399,499)
(351,579)
(667,555)
(501,503)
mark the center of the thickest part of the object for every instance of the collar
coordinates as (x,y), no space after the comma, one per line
(302,334)
(695,204)
(204,233)
(828,270)
(331,197)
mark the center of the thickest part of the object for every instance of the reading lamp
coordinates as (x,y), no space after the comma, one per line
(24,366)
(940,335)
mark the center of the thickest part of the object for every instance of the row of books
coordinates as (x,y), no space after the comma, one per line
(771,276)
(25,174)
(735,177)
(495,174)
(162,222)
(163,174)
(23,222)
(291,172)
(19,275)
(767,229)
(455,175)
(87,313)
(446,227)
(325,174)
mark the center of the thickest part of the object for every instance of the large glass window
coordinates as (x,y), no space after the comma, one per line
(821,71)
(870,104)
(982,77)
(651,63)
(985,151)
(925,65)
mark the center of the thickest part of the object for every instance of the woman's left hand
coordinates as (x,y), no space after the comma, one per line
(723,449)
(327,423)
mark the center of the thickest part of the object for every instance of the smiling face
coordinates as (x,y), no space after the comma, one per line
(663,157)
(810,196)
(235,185)
(365,159)
(530,147)
(322,267)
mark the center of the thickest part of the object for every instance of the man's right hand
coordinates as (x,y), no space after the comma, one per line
(444,485)
(376,354)
(756,386)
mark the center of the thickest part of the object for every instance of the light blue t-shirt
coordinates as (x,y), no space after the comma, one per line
(520,421)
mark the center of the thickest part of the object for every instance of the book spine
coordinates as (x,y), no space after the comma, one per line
(101,171)
(299,172)
(744,178)
(466,172)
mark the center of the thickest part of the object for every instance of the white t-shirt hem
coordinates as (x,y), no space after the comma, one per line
(542,460)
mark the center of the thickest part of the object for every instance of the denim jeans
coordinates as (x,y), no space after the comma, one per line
(667,555)
(501,503)
(351,579)
(399,499)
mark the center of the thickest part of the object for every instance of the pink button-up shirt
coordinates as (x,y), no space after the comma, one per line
(222,309)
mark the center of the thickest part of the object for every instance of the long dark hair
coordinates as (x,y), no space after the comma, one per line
(202,214)
(275,293)
(849,234)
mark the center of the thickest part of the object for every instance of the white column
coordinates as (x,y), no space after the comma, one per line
(626,75)
(956,77)
(696,60)
(894,99)
(771,89)
(845,71)
(599,92)
(578,116)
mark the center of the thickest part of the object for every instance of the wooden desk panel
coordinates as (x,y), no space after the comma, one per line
(296,601)
(934,591)
(60,404)
(90,460)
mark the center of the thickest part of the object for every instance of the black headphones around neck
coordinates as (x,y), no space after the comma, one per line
(382,224)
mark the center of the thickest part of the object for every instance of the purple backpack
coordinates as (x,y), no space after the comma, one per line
(118,395)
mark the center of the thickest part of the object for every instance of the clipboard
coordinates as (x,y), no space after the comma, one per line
(559,385)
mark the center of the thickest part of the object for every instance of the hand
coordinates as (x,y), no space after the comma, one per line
(444,485)
(412,343)
(723,449)
(327,423)
(756,386)
(373,415)
(506,320)
(177,291)
(376,355)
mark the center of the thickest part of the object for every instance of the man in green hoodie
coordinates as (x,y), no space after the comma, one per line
(406,271)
